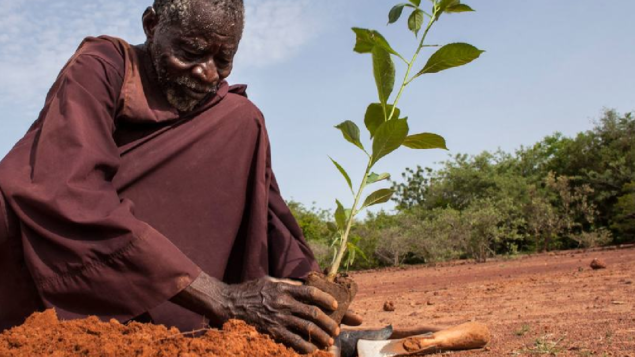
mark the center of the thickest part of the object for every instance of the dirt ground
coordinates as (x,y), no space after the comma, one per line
(543,304)
(43,334)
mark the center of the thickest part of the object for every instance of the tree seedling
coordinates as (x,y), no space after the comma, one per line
(387,128)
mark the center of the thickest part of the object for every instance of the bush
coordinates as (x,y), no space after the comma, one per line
(439,236)
(594,239)
(322,252)
(394,246)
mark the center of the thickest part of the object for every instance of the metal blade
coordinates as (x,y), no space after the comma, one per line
(389,348)
(348,339)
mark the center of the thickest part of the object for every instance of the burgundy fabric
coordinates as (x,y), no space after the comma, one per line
(119,202)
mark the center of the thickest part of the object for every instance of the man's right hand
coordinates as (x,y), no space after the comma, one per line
(291,313)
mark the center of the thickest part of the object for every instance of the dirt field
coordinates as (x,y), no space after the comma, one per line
(543,304)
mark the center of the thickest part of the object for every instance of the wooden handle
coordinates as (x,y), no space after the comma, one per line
(463,337)
(399,333)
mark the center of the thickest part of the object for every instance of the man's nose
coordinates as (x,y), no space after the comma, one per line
(206,72)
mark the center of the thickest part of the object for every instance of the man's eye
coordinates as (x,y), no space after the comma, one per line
(190,55)
(223,62)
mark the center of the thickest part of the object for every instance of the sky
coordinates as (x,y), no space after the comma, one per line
(549,66)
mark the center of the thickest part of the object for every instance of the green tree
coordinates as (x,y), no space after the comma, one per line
(624,220)
(559,211)
(602,158)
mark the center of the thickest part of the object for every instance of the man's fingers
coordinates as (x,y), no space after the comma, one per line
(285,281)
(313,296)
(310,331)
(292,340)
(352,319)
(317,316)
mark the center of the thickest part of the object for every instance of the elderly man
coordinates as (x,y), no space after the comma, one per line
(144,191)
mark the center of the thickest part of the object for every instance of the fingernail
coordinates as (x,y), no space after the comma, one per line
(331,342)
(337,331)
(335,305)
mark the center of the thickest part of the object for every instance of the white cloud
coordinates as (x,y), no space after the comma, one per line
(38,36)
(275,30)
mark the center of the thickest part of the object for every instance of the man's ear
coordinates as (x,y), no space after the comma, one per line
(150,21)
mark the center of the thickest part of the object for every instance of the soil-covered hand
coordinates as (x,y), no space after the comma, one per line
(290,312)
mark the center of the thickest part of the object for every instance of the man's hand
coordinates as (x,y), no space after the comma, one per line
(352,319)
(290,313)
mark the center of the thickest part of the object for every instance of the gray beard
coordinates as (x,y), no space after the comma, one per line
(170,87)
(178,101)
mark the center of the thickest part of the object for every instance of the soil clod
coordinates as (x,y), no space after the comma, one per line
(343,289)
(597,264)
(389,306)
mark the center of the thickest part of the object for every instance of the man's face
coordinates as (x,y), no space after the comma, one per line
(193,54)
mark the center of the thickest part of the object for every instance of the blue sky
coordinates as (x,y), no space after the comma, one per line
(549,66)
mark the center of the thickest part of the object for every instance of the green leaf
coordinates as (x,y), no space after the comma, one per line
(450,56)
(350,131)
(415,21)
(331,226)
(415,2)
(377,197)
(458,8)
(360,252)
(375,116)
(340,216)
(395,13)
(425,141)
(373,177)
(343,172)
(368,39)
(384,71)
(388,138)
(445,4)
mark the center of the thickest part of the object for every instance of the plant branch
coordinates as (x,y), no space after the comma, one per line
(403,59)
(335,267)
(407,81)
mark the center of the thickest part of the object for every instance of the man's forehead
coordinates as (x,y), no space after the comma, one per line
(207,19)
(198,42)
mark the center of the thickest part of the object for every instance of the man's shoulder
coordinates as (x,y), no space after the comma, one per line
(237,96)
(111,50)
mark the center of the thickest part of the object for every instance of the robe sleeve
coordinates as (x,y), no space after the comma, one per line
(291,256)
(86,251)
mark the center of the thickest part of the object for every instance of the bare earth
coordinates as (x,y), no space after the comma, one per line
(541,304)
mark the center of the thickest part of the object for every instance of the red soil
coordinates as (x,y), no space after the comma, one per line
(44,335)
(551,304)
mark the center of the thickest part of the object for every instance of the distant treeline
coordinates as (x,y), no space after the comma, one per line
(557,194)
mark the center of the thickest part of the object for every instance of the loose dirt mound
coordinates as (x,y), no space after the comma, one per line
(44,335)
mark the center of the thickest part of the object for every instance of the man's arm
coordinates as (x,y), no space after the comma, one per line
(291,313)
(86,251)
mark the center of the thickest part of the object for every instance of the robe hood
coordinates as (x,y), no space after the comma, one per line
(141,99)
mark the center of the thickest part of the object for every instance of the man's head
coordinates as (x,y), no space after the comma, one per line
(192,44)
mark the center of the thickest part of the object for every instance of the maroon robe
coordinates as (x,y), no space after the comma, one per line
(113,202)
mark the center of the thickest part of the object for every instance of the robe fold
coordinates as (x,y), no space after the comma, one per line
(113,202)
